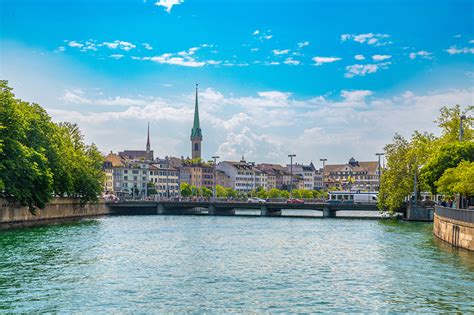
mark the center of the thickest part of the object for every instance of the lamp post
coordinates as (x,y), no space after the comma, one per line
(461,130)
(379,155)
(291,156)
(215,177)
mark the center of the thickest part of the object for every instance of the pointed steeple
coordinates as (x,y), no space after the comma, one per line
(196,131)
(148,138)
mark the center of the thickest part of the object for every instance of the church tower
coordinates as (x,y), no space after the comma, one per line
(196,135)
(148,139)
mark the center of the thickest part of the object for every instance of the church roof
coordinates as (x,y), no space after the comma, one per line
(196,131)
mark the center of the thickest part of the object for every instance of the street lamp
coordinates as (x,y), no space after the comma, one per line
(215,177)
(379,155)
(461,130)
(291,156)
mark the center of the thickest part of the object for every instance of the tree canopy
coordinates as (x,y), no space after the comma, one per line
(40,159)
(425,156)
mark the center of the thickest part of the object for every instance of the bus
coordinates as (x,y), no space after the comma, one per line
(352,197)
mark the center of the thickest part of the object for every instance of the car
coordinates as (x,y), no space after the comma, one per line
(256,200)
(295,201)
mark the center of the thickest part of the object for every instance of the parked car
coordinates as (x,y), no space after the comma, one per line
(256,200)
(295,201)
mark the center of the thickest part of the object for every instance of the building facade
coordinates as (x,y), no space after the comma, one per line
(242,176)
(354,175)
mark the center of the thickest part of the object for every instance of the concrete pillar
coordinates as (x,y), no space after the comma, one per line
(328,213)
(263,211)
(160,209)
(211,210)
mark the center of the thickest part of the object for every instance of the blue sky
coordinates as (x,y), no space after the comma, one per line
(329,79)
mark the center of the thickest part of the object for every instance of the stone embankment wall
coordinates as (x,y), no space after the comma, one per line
(459,233)
(59,209)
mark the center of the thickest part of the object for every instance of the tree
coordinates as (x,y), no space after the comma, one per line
(185,190)
(458,179)
(284,194)
(221,191)
(449,121)
(262,194)
(449,155)
(151,189)
(274,193)
(434,155)
(41,159)
(231,193)
(206,192)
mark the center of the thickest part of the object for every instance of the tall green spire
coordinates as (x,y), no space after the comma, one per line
(196,131)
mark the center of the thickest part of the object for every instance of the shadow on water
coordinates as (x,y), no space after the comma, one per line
(422,234)
(33,254)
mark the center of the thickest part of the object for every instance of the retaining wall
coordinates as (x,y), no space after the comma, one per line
(59,209)
(459,233)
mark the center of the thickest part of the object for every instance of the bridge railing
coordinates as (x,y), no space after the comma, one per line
(463,215)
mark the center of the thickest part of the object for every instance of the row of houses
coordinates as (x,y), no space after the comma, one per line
(134,174)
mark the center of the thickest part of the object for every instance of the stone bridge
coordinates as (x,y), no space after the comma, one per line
(228,208)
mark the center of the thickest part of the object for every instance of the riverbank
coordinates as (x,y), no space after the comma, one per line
(455,226)
(57,210)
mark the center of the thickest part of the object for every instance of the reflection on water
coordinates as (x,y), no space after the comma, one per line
(232,264)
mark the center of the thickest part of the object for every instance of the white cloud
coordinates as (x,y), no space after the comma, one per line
(77,97)
(381,57)
(256,32)
(421,54)
(453,50)
(117,56)
(268,36)
(368,38)
(73,43)
(321,60)
(168,4)
(291,61)
(254,49)
(355,95)
(147,46)
(362,70)
(271,63)
(280,52)
(360,123)
(119,44)
(185,58)
(457,36)
(471,41)
(359,57)
(179,61)
(302,44)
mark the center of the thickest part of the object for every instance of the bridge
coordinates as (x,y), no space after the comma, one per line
(228,207)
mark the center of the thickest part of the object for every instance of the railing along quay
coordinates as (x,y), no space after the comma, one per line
(463,215)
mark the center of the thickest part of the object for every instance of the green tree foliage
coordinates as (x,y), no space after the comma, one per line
(221,191)
(230,193)
(206,192)
(449,122)
(433,155)
(40,159)
(458,179)
(185,190)
(449,155)
(151,189)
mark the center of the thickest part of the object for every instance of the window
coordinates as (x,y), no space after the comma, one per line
(196,147)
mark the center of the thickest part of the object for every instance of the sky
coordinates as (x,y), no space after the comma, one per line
(319,79)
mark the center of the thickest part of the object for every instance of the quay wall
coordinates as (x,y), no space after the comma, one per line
(457,230)
(58,209)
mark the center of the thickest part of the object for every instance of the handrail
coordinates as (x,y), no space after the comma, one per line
(463,215)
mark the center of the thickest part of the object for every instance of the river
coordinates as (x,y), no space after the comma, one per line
(177,264)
